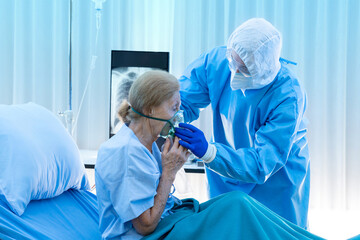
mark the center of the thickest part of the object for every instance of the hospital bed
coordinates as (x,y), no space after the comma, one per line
(71,215)
(43,184)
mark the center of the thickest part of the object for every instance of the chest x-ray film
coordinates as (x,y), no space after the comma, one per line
(126,66)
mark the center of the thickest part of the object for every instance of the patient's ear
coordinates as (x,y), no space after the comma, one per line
(150,111)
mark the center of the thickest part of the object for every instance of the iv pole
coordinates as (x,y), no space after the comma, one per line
(68,114)
(71,123)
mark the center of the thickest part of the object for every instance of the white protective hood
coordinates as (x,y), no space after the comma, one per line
(258,44)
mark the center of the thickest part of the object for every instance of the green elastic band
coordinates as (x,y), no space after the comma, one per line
(159,119)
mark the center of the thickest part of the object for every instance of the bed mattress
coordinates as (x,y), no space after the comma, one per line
(71,215)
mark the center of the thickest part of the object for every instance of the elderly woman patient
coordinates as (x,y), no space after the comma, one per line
(134,179)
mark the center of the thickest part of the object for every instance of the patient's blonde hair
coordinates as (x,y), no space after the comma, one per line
(149,90)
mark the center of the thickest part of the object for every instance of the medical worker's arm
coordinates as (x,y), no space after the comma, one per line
(172,158)
(194,91)
(272,145)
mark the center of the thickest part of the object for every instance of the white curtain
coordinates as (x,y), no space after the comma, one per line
(34,59)
(321,36)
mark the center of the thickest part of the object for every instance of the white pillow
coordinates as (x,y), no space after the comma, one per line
(38,158)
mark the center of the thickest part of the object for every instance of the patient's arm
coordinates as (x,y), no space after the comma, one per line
(148,220)
(171,160)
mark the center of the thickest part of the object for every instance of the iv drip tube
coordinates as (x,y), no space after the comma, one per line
(98,8)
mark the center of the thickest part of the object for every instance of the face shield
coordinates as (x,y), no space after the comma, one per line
(235,66)
(169,128)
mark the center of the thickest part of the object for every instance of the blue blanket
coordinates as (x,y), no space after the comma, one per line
(234,215)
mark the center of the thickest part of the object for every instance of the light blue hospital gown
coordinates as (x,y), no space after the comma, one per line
(260,137)
(126,176)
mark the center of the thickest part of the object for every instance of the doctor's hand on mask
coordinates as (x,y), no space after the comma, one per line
(192,138)
(173,157)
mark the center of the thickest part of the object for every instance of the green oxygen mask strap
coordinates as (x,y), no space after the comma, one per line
(159,119)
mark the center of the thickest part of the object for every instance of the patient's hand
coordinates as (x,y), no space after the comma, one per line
(173,157)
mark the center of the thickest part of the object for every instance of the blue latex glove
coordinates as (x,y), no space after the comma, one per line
(192,138)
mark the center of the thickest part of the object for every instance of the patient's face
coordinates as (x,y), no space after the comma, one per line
(165,111)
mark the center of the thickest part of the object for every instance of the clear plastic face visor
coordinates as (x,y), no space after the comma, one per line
(236,66)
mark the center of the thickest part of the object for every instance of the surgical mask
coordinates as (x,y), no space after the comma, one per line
(244,82)
(240,81)
(169,128)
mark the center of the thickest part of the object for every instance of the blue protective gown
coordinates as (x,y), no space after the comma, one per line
(261,142)
(126,176)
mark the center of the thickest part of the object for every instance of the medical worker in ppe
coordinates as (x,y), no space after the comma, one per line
(259,144)
(134,179)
